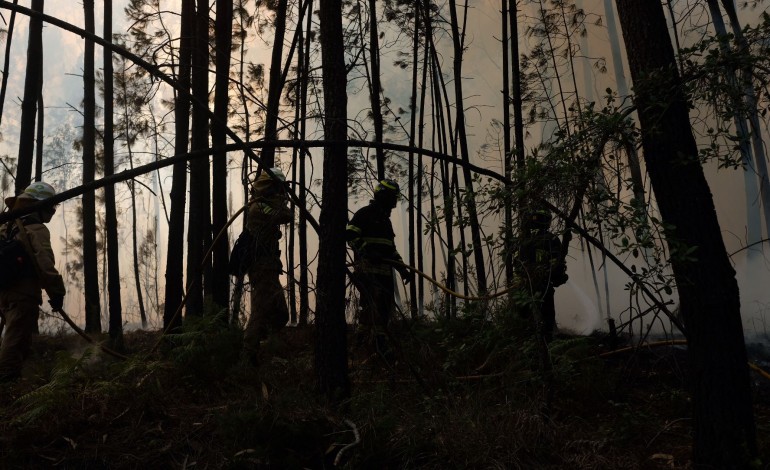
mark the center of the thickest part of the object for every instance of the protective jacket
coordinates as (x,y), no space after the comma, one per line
(266,214)
(541,256)
(268,210)
(19,301)
(370,234)
(36,240)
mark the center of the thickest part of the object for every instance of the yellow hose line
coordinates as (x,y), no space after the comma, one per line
(672,342)
(446,289)
(82,333)
(759,370)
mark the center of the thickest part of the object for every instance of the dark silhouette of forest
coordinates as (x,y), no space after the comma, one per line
(191,104)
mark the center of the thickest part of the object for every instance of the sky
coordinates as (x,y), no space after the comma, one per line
(581,303)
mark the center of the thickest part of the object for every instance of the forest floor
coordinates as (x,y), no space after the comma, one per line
(461,394)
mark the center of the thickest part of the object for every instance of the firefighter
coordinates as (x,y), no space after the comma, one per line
(370,235)
(19,301)
(268,209)
(545,267)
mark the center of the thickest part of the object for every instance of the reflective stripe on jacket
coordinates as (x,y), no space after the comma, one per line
(370,234)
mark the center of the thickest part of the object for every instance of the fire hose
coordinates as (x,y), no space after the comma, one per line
(82,333)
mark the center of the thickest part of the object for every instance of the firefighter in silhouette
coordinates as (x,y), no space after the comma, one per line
(268,210)
(20,299)
(544,269)
(370,235)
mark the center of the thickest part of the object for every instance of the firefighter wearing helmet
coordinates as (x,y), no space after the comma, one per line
(370,234)
(19,299)
(268,210)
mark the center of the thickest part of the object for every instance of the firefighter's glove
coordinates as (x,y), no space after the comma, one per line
(56,302)
(406,275)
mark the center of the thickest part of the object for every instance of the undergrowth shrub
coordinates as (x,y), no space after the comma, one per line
(206,348)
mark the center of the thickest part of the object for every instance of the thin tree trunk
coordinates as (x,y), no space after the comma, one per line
(752,190)
(39,151)
(223,37)
(297,159)
(414,201)
(458,199)
(440,131)
(376,87)
(420,142)
(7,59)
(725,434)
(32,85)
(199,220)
(40,134)
(620,80)
(239,280)
(115,320)
(134,244)
(90,258)
(750,98)
(275,85)
(473,219)
(331,328)
(302,223)
(134,223)
(172,320)
(507,154)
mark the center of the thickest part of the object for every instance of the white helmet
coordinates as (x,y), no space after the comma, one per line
(40,191)
(278,173)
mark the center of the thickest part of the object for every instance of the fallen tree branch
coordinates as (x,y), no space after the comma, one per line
(357,441)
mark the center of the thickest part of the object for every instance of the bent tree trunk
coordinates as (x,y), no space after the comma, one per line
(725,435)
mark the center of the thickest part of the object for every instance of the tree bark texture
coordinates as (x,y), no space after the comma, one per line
(111,219)
(473,219)
(199,220)
(331,341)
(223,37)
(275,85)
(32,85)
(304,300)
(375,87)
(725,435)
(7,59)
(90,258)
(175,248)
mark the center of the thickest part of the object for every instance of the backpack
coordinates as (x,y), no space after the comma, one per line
(242,254)
(14,260)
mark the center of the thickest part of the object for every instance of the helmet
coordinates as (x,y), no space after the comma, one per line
(266,183)
(388,186)
(40,190)
(540,219)
(37,191)
(277,173)
(386,193)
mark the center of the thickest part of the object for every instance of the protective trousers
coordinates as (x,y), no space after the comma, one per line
(269,312)
(20,324)
(377,304)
